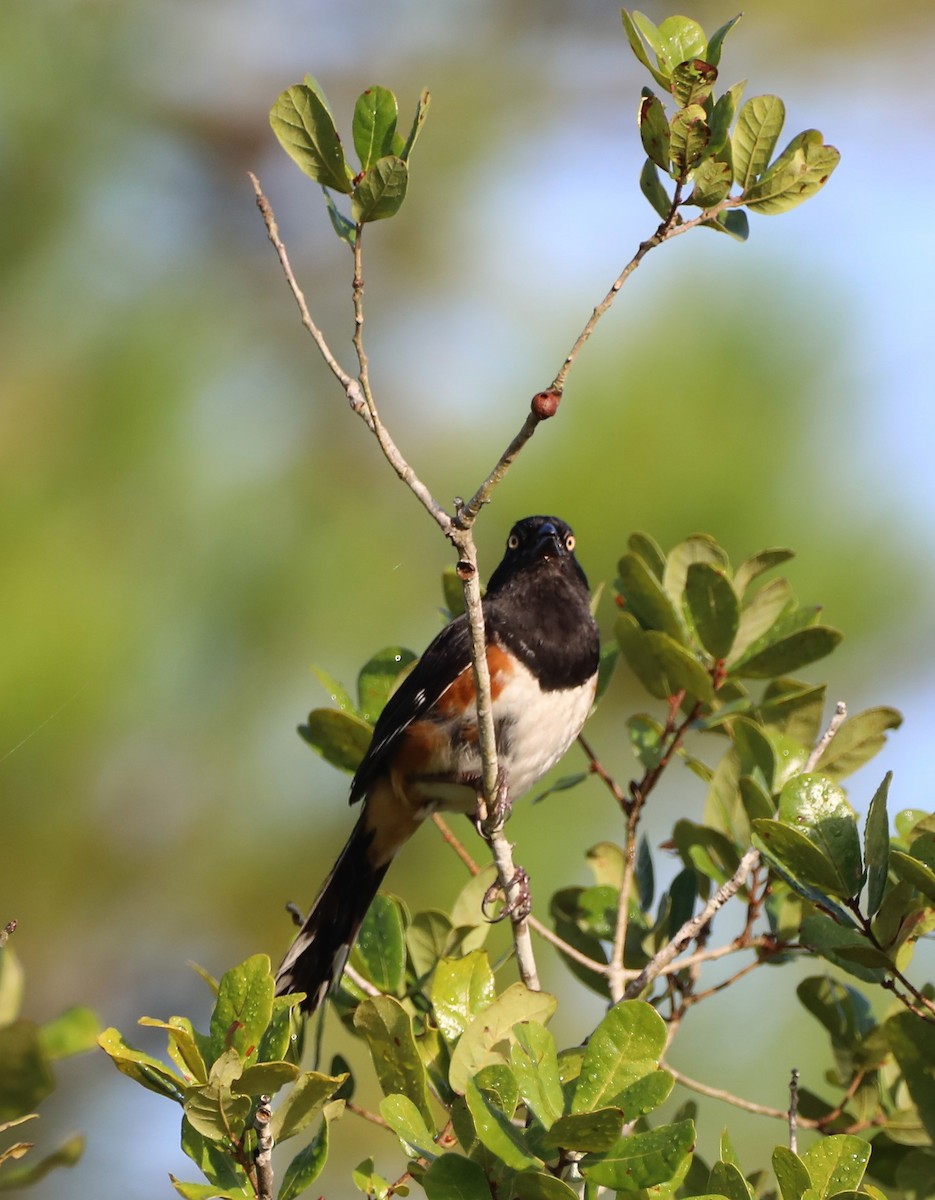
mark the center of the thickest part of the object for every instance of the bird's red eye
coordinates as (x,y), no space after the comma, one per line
(512,542)
(570,542)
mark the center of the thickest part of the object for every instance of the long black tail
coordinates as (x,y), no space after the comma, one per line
(316,958)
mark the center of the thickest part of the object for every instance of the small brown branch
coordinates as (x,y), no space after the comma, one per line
(470,510)
(263,1157)
(837,720)
(597,768)
(366,1115)
(696,997)
(704,1089)
(793,1113)
(455,843)
(617,974)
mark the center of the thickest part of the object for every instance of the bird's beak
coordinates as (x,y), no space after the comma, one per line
(549,541)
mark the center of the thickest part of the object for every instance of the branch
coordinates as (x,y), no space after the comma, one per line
(263,1157)
(704,1089)
(837,720)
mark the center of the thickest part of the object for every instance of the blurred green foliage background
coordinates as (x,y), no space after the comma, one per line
(191,517)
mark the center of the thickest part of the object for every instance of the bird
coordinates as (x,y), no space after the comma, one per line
(543,651)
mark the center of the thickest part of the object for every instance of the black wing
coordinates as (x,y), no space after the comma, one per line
(441,664)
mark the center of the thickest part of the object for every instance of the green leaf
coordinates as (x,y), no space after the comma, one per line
(337,692)
(243,1008)
(801,859)
(422,111)
(652,189)
(388,1029)
(692,81)
(11,986)
(382,190)
(721,119)
(712,180)
(266,1078)
(754,750)
(654,129)
(453,1177)
(700,547)
(642,1160)
(760,613)
(759,124)
(339,737)
(647,548)
(496,1131)
(645,598)
(379,953)
(539,1185)
(306,132)
(788,653)
(817,807)
(877,847)
(679,39)
(302,1103)
(136,1064)
(461,988)
(427,939)
(626,1045)
(682,896)
(646,739)
(713,52)
(498,1083)
(636,649)
(564,784)
(913,871)
(828,939)
(633,26)
(757,564)
(794,709)
(72,1032)
(374,125)
(607,862)
(733,222)
(183,1047)
(535,1066)
(708,850)
(913,1043)
(378,677)
(802,169)
(837,1163)
(345,229)
(594,1131)
(726,1179)
(645,1095)
(680,667)
(489,1035)
(214,1161)
(714,607)
(857,741)
(306,1166)
(791,1174)
(211,1108)
(409,1125)
(689,135)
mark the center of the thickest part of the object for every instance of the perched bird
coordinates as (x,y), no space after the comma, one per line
(542,651)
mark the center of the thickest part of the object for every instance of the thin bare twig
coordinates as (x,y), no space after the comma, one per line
(837,720)
(263,1158)
(794,1110)
(704,1089)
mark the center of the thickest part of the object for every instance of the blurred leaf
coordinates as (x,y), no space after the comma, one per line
(453,592)
(461,988)
(700,547)
(499,1085)
(645,875)
(409,1125)
(654,129)
(344,228)
(877,847)
(27,1078)
(682,896)
(489,1035)
(914,872)
(378,677)
(379,952)
(759,124)
(793,708)
(381,192)
(243,1008)
(757,564)
(913,1043)
(626,1045)
(634,25)
(454,1177)
(827,938)
(713,52)
(714,607)
(73,1032)
(306,132)
(760,612)
(539,1185)
(535,1065)
(307,1165)
(647,548)
(818,808)
(836,1163)
(136,1064)
(646,599)
(610,656)
(709,850)
(422,111)
(689,135)
(636,649)
(754,750)
(496,1131)
(857,741)
(732,222)
(278,1042)
(336,690)
(721,119)
(26,1174)
(843,1011)
(607,860)
(642,1160)
(388,1029)
(652,189)
(339,737)
(213,1160)
(692,81)
(266,1079)
(374,125)
(563,784)
(11,986)
(788,653)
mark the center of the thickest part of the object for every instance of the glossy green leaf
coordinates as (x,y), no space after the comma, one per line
(243,1008)
(499,1085)
(712,180)
(789,653)
(689,135)
(307,1164)
(409,1125)
(422,111)
(726,1179)
(594,1131)
(378,676)
(454,1177)
(714,607)
(636,649)
(680,667)
(692,81)
(679,39)
(427,939)
(802,169)
(640,1098)
(136,1064)
(212,1108)
(303,125)
(913,871)
(487,1037)
(374,126)
(877,847)
(540,1185)
(757,802)
(302,1103)
(817,807)
(382,190)
(857,741)
(713,52)
(652,189)
(461,988)
(266,1079)
(635,25)
(646,599)
(183,1047)
(72,1032)
(759,124)
(341,738)
(535,1066)
(388,1029)
(802,859)
(794,709)
(837,1163)
(827,938)
(642,1160)
(213,1160)
(282,1039)
(379,953)
(626,1045)
(791,1174)
(496,1131)
(654,129)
